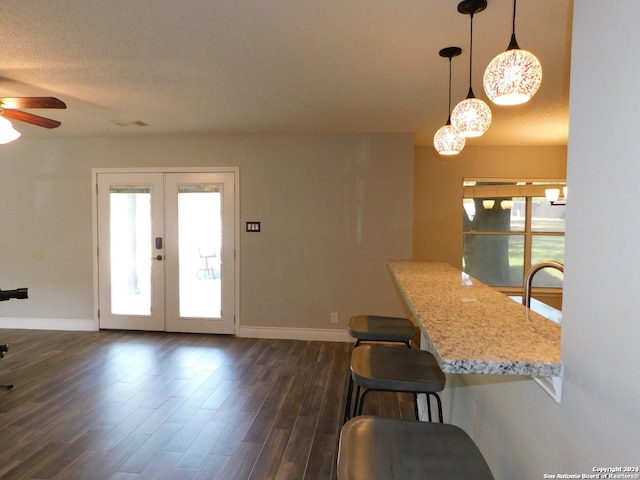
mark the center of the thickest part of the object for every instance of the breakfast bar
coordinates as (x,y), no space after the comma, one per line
(472,328)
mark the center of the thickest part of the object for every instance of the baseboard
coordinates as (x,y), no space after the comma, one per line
(49,324)
(316,334)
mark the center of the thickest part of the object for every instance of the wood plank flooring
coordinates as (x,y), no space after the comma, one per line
(145,405)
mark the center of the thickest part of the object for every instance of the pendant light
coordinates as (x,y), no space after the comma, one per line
(446,141)
(472,116)
(514,76)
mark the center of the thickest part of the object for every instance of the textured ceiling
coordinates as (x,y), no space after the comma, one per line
(276,66)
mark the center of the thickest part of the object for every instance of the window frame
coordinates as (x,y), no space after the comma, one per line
(523,188)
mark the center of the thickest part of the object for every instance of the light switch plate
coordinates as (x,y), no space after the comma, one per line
(253,226)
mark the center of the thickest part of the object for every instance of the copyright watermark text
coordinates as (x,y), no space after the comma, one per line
(631,473)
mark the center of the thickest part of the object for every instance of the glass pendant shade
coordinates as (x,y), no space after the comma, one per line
(446,141)
(7,132)
(471,117)
(513,77)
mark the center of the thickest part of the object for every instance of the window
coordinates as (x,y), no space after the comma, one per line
(507,228)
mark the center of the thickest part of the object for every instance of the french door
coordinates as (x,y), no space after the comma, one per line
(166,251)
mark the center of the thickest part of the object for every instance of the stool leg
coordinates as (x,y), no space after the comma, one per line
(439,403)
(347,407)
(429,415)
(415,406)
(356,400)
(361,401)
(439,406)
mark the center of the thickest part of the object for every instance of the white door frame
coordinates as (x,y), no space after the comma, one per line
(236,214)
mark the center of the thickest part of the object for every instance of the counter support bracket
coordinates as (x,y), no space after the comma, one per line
(551,385)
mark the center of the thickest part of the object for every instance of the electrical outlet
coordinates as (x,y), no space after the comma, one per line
(334,317)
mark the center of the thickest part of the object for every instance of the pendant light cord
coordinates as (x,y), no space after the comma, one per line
(513,44)
(470,94)
(449,118)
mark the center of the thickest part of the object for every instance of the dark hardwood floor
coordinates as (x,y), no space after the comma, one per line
(144,405)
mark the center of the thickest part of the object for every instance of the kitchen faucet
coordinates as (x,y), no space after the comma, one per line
(528,279)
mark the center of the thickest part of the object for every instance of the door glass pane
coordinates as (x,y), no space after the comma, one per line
(547,247)
(200,243)
(494,259)
(130,212)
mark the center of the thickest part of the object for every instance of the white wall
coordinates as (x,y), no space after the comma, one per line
(521,431)
(334,209)
(602,338)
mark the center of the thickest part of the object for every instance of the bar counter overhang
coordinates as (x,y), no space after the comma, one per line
(472,328)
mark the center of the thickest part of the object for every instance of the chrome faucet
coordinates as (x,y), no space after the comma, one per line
(528,279)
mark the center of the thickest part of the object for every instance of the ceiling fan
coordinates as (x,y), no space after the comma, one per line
(9,106)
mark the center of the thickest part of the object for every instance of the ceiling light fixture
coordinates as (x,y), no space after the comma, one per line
(7,132)
(514,76)
(446,140)
(472,116)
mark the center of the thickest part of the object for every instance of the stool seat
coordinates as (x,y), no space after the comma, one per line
(378,367)
(375,448)
(374,328)
(385,368)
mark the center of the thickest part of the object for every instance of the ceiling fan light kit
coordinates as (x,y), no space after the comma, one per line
(7,132)
(513,76)
(446,140)
(9,109)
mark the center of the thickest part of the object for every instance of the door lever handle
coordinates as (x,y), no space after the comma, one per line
(159,257)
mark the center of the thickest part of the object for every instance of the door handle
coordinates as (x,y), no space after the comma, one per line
(159,257)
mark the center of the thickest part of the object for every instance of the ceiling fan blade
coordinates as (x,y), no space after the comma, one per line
(31,102)
(30,118)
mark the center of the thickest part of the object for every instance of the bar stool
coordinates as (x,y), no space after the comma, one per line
(374,448)
(375,328)
(389,369)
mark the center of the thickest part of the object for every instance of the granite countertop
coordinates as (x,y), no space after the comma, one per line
(472,328)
